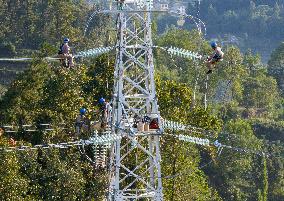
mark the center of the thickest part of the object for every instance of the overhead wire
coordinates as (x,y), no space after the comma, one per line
(32,127)
(9,70)
(62,145)
(195,140)
(219,145)
(97,140)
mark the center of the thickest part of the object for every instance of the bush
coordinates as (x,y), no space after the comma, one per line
(7,49)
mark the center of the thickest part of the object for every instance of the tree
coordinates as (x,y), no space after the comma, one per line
(264,180)
(182,159)
(260,92)
(276,66)
(275,166)
(235,169)
(183,178)
(60,173)
(2,90)
(177,68)
(13,186)
(46,95)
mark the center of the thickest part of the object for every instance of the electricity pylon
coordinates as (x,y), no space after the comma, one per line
(135,170)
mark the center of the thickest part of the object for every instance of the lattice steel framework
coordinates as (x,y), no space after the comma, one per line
(135,170)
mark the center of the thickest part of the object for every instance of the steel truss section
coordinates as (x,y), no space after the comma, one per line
(135,170)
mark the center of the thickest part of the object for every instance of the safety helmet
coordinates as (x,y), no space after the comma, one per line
(83,111)
(66,40)
(213,44)
(102,100)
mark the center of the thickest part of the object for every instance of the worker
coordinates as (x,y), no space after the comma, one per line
(105,110)
(80,120)
(1,131)
(12,142)
(154,124)
(215,57)
(120,4)
(65,53)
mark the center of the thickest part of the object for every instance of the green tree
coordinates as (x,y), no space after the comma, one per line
(276,66)
(276,172)
(235,169)
(44,94)
(177,68)
(260,92)
(265,180)
(13,186)
(182,159)
(58,173)
(2,90)
(184,180)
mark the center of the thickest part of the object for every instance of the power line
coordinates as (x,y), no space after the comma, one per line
(9,70)
(62,145)
(168,124)
(107,139)
(217,144)
(87,53)
(181,52)
(31,127)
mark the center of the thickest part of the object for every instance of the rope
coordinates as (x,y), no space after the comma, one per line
(206,92)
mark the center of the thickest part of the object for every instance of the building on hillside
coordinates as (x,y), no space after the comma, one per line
(163,5)
(229,39)
(180,7)
(177,5)
(193,2)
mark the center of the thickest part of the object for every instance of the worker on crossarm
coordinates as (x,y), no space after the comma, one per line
(215,57)
(1,131)
(65,53)
(154,124)
(105,110)
(12,142)
(80,120)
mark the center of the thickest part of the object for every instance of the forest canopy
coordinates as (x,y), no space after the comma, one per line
(239,105)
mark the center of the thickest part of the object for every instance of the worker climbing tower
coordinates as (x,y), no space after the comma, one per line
(135,170)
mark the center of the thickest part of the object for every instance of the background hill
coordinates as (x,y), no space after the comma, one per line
(250,24)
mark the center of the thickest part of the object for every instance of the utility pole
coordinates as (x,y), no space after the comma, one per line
(135,169)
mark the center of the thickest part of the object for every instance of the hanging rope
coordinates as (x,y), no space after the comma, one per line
(206,92)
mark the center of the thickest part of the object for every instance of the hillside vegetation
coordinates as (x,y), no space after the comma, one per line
(250,24)
(245,110)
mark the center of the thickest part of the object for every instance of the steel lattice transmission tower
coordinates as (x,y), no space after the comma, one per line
(135,170)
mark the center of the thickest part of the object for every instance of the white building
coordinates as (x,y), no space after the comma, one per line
(179,6)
